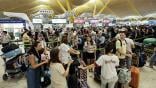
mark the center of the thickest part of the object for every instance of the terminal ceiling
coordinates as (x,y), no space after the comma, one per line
(119,8)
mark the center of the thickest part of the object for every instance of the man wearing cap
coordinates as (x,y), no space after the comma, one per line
(121,47)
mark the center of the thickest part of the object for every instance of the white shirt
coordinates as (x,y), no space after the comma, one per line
(57,78)
(90,48)
(129,44)
(108,66)
(64,55)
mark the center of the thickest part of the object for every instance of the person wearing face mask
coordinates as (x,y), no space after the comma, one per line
(33,73)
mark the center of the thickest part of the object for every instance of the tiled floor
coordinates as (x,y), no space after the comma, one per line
(147,79)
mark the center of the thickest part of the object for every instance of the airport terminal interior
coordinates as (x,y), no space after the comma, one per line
(77,43)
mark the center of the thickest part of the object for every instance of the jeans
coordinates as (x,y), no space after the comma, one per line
(33,78)
(129,62)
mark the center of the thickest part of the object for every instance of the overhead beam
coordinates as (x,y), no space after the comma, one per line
(102,9)
(68,5)
(94,11)
(60,4)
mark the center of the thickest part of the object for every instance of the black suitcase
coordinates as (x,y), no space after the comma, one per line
(97,74)
(9,47)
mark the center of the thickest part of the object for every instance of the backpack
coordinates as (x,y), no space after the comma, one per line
(124,76)
(114,43)
(9,48)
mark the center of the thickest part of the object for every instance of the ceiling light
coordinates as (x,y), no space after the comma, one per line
(93,1)
(43,0)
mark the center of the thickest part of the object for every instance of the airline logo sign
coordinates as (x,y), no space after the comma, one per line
(46,12)
(37,21)
(79,21)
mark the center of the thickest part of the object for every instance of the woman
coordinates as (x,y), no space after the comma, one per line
(33,73)
(66,50)
(90,48)
(59,74)
(108,65)
(26,40)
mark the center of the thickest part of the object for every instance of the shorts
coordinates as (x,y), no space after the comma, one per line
(90,55)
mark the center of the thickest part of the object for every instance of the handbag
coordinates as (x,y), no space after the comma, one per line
(45,79)
(46,82)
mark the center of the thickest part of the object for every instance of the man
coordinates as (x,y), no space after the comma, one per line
(129,46)
(101,39)
(5,38)
(121,49)
(121,52)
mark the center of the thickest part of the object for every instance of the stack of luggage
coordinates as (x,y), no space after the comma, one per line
(13,58)
(11,50)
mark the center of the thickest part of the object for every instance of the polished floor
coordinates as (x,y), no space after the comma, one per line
(147,79)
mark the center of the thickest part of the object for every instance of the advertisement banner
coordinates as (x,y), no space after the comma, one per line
(11,21)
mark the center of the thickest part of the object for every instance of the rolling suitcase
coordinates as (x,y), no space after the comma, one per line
(135,75)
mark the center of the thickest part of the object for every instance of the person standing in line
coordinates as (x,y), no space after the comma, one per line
(65,51)
(108,63)
(121,49)
(33,73)
(90,47)
(129,46)
(59,74)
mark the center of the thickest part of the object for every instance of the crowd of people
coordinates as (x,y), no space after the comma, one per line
(107,47)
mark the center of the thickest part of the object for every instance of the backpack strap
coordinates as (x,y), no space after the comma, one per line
(121,42)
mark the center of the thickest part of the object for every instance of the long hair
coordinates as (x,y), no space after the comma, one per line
(36,36)
(91,40)
(54,56)
(33,50)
